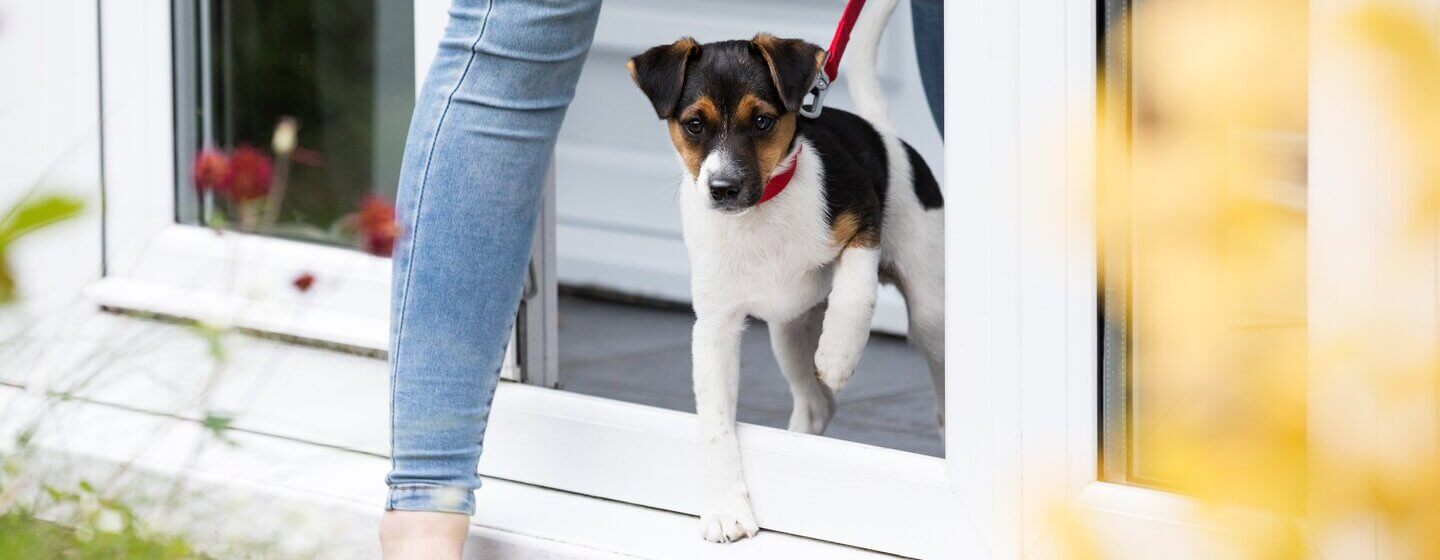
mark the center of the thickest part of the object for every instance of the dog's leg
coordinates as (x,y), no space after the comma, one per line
(847,320)
(716,350)
(925,304)
(794,342)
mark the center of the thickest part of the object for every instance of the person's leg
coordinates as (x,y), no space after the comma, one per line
(480,142)
(928,19)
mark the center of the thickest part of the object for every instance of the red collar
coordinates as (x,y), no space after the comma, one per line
(780,180)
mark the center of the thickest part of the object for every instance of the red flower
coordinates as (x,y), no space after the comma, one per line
(377,226)
(304,281)
(250,174)
(212,171)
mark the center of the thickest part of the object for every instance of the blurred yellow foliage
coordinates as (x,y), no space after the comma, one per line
(1197,184)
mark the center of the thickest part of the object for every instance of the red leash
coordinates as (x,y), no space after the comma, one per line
(842,37)
(831,68)
(827,74)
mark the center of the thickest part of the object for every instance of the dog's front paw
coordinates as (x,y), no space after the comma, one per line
(729,520)
(834,367)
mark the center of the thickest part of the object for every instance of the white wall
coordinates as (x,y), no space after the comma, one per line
(619,227)
(49,139)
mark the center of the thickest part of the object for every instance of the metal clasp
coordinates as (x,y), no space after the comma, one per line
(817,93)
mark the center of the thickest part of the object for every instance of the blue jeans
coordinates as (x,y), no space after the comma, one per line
(470,188)
(928,20)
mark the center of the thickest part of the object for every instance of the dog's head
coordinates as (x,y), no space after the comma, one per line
(731,108)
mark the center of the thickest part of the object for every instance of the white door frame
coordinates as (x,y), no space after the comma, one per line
(1373,280)
(1021,273)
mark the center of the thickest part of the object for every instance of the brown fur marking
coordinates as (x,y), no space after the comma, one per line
(772,148)
(848,230)
(703,109)
(685,44)
(689,152)
(751,106)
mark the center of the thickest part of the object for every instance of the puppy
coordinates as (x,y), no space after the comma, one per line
(792,220)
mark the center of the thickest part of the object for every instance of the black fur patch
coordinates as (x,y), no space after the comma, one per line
(927,189)
(857,174)
(660,73)
(793,65)
(726,71)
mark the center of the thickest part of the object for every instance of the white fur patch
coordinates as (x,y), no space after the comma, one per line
(714,162)
(847,318)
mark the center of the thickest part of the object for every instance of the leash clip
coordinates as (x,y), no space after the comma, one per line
(818,91)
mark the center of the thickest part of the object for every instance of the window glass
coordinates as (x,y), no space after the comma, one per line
(1203,248)
(298,116)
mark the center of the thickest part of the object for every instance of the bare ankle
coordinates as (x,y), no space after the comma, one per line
(406,535)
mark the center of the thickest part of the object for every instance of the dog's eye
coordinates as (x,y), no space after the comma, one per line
(762,123)
(693,126)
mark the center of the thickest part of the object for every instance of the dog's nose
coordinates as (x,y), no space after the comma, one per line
(723,189)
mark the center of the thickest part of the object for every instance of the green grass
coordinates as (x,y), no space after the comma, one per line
(22,536)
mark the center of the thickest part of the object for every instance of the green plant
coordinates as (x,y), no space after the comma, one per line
(27,216)
(97,528)
(80,522)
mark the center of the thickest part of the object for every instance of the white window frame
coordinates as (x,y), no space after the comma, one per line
(1021,269)
(1364,270)
(155,264)
(1021,313)
(1023,236)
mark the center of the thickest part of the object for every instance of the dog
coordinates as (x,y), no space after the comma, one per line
(857,206)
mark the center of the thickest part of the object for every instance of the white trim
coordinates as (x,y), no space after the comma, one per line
(231,279)
(971,167)
(328,499)
(139,126)
(430,18)
(1345,178)
(1136,523)
(823,488)
(1373,285)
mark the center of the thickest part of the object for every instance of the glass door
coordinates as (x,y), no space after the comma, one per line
(1203,253)
(622,319)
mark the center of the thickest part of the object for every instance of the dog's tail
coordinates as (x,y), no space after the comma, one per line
(864,49)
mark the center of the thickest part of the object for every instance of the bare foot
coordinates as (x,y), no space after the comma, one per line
(422,535)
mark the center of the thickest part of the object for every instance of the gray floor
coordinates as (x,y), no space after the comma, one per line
(642,355)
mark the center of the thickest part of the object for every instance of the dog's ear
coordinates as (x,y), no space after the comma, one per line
(660,73)
(793,65)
